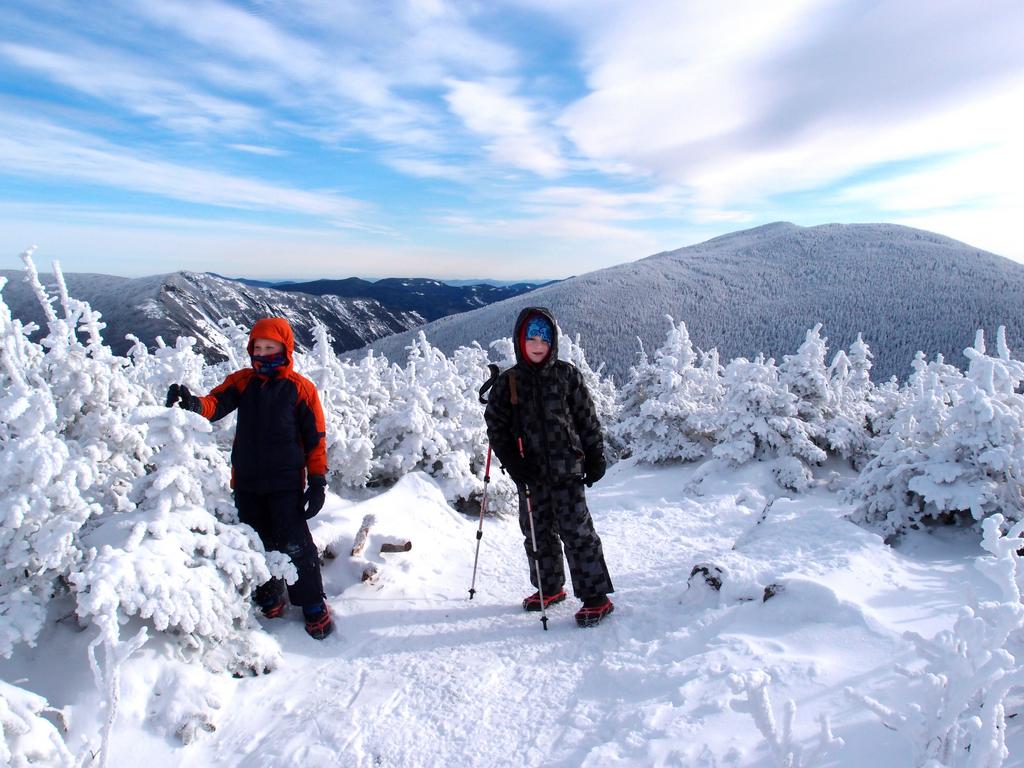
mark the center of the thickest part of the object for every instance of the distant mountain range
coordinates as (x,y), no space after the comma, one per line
(759,290)
(191,303)
(429,299)
(752,291)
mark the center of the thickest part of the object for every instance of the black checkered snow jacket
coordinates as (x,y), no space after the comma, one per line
(555,415)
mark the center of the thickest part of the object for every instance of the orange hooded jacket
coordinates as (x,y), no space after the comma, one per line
(280,435)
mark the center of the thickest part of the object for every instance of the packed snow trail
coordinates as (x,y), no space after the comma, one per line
(419,675)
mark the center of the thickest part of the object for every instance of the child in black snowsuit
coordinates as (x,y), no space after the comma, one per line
(543,428)
(279,448)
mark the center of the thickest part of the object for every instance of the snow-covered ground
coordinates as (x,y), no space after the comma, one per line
(419,675)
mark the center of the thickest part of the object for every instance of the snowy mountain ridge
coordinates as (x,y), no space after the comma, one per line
(759,290)
(192,303)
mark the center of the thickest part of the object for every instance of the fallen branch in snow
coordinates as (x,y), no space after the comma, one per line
(742,538)
(387,547)
(108,675)
(787,752)
(363,535)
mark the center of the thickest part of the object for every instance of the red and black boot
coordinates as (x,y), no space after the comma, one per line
(319,623)
(270,597)
(532,603)
(594,610)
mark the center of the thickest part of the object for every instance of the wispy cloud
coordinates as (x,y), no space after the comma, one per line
(746,101)
(130,83)
(512,129)
(252,149)
(36,149)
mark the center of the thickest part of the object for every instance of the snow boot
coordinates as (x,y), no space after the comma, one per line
(532,603)
(275,610)
(318,620)
(270,598)
(594,610)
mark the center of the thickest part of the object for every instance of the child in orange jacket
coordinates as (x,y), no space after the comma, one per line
(279,449)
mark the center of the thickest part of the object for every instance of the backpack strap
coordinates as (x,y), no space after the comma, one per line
(485,388)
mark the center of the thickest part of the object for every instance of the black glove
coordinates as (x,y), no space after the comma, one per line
(522,471)
(178,393)
(313,498)
(594,466)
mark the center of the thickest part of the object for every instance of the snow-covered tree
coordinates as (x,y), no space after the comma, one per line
(881,493)
(955,445)
(43,491)
(172,561)
(758,419)
(806,376)
(432,421)
(347,413)
(847,432)
(93,394)
(668,405)
(601,388)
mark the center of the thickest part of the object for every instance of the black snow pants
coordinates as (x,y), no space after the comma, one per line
(280,521)
(561,518)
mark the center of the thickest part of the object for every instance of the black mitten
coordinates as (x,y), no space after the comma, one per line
(316,494)
(179,393)
(594,465)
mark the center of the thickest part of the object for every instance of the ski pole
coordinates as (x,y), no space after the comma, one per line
(480,530)
(494,371)
(533,539)
(514,399)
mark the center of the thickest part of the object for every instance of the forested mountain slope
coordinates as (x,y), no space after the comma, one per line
(759,290)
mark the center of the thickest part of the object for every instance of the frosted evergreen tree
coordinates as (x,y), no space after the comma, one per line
(95,397)
(860,357)
(432,421)
(157,370)
(346,413)
(404,434)
(881,494)
(503,352)
(668,407)
(978,463)
(601,388)
(42,497)
(847,432)
(953,446)
(236,347)
(758,419)
(173,561)
(806,376)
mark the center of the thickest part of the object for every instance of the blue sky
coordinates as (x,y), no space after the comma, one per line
(521,139)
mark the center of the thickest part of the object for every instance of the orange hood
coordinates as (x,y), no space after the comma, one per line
(275,329)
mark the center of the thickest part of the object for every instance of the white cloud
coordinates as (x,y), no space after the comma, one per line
(36,149)
(130,83)
(426,168)
(512,128)
(253,149)
(744,101)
